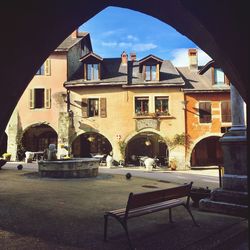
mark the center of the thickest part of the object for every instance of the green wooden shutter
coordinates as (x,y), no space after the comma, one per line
(84,107)
(47,67)
(103,107)
(32,99)
(47,98)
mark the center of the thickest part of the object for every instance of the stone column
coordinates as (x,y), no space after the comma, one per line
(237,110)
(232,198)
(234,146)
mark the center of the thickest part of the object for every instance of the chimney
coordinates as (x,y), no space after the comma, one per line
(124,58)
(193,59)
(74,34)
(132,56)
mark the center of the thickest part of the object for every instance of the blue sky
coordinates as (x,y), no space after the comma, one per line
(115,30)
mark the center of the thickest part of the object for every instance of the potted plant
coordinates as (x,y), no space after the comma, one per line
(7,156)
(173,164)
(198,193)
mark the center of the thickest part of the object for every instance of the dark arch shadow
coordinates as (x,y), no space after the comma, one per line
(33,30)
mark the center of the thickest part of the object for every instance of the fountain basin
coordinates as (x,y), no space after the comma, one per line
(69,168)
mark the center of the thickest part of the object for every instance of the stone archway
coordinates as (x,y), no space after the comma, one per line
(146,144)
(37,137)
(198,21)
(3,144)
(90,144)
(207,152)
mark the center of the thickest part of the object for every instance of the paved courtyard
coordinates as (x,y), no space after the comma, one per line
(43,213)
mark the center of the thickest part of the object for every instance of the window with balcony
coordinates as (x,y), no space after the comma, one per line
(141,105)
(205,114)
(161,105)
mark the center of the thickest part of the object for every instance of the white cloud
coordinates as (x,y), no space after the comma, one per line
(137,47)
(112,32)
(132,38)
(180,57)
(124,44)
(140,47)
(109,44)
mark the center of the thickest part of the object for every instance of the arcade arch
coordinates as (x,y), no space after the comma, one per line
(146,143)
(90,144)
(36,138)
(206,152)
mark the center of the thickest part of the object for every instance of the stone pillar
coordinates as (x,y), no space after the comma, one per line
(12,130)
(63,133)
(232,198)
(234,146)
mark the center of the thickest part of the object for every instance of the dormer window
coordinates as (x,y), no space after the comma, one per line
(219,77)
(150,68)
(150,73)
(91,66)
(92,72)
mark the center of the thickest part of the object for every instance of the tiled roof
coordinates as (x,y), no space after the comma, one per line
(69,42)
(168,74)
(197,82)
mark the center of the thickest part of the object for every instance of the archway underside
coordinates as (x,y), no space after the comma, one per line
(209,27)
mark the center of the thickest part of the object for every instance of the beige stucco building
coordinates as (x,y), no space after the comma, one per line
(35,120)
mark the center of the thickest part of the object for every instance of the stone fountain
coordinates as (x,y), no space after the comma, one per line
(67,168)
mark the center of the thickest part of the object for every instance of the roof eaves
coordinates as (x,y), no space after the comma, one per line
(150,56)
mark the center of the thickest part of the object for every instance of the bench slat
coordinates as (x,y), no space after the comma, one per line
(146,209)
(148,198)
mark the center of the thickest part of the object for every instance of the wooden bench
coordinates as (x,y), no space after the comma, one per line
(139,204)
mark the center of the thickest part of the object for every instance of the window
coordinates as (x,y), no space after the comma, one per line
(93,107)
(219,77)
(40,71)
(205,112)
(40,98)
(45,69)
(92,72)
(141,105)
(225,111)
(161,105)
(150,73)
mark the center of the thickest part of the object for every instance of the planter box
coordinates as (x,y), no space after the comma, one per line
(198,194)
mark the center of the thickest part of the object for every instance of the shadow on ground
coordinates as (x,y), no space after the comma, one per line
(68,214)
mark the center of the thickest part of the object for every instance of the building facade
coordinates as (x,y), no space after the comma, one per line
(130,108)
(34,123)
(207,111)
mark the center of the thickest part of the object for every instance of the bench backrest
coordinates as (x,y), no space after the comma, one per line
(143,199)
